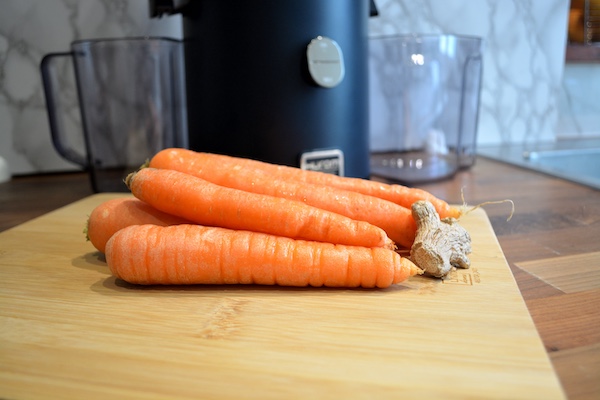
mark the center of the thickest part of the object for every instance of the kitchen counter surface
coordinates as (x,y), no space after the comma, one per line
(551,245)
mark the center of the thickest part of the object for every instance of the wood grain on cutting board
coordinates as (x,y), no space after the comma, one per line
(69,329)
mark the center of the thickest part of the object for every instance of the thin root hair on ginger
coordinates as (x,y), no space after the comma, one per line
(467,210)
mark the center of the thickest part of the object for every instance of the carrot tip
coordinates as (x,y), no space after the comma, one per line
(128,179)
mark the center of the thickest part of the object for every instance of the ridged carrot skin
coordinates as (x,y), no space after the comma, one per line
(194,254)
(395,220)
(398,194)
(115,214)
(205,203)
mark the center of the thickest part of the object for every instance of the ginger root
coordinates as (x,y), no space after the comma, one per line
(440,245)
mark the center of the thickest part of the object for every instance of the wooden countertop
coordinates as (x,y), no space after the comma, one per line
(551,244)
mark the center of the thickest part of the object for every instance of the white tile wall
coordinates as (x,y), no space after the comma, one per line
(29,29)
(579,102)
(523,98)
(523,59)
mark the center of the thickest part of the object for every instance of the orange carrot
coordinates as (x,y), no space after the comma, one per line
(395,220)
(195,254)
(398,194)
(112,215)
(205,203)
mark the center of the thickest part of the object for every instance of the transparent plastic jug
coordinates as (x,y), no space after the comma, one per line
(131,100)
(424,105)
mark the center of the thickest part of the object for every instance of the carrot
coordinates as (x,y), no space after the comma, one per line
(395,220)
(195,254)
(205,203)
(398,194)
(115,214)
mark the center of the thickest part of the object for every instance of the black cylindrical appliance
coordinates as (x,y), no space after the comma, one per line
(283,81)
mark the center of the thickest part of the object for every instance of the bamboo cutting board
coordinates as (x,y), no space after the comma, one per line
(70,330)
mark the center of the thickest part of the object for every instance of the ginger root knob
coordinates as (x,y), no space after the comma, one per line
(440,245)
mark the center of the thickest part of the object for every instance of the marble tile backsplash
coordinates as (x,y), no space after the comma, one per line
(29,29)
(523,56)
(523,94)
(579,102)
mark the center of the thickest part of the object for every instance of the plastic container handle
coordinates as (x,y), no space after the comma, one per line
(56,130)
(469,80)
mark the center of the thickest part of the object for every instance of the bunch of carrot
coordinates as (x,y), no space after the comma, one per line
(199,218)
